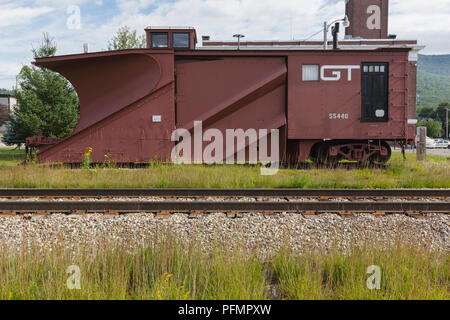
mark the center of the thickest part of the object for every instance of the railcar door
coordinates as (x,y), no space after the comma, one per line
(374,92)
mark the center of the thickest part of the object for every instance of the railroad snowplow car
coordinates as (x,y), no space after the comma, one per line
(330,101)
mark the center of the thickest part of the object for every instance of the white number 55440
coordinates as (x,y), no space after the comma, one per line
(338,116)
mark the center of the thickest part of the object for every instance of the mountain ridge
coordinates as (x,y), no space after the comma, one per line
(433,80)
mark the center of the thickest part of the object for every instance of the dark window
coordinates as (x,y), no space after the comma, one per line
(375,92)
(159,40)
(181,40)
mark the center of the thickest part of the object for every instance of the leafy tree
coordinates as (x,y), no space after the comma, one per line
(126,39)
(46,102)
(426,113)
(434,128)
(442,114)
(438,114)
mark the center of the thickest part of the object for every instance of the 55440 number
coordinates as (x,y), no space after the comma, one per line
(338,116)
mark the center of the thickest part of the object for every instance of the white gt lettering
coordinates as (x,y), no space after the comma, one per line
(337,74)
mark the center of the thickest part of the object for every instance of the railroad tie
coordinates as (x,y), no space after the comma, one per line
(235,214)
(43,213)
(308,213)
(163,214)
(8,213)
(346,213)
(414,214)
(111,213)
(196,214)
(78,212)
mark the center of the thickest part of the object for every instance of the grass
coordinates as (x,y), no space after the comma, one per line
(168,271)
(407,272)
(180,271)
(434,173)
(10,157)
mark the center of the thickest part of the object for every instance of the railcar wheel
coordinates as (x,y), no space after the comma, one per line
(378,159)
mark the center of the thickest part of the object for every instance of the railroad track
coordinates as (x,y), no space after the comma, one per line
(322,194)
(198,202)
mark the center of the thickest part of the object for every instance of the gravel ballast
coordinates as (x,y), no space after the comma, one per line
(254,231)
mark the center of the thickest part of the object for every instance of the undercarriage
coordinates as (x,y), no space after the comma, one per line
(329,153)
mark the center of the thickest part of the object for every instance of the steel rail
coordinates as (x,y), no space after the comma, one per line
(66,193)
(211,206)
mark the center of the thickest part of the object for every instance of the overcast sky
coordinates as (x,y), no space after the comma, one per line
(22,22)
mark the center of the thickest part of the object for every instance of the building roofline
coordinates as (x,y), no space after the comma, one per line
(255,50)
(99,54)
(307,41)
(315,48)
(169,28)
(300,44)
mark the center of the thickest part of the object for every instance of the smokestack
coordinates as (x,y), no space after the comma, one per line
(335,32)
(368,19)
(86,48)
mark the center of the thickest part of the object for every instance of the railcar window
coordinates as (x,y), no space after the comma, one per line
(159,40)
(375,92)
(310,72)
(374,68)
(180,40)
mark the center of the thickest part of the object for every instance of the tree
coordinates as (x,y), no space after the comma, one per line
(126,39)
(438,114)
(434,128)
(46,49)
(441,114)
(46,102)
(426,113)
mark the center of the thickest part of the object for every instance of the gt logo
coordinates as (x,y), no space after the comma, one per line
(337,74)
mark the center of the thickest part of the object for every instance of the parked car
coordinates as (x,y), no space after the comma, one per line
(431,143)
(442,144)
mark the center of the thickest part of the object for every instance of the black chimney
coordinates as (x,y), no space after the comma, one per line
(335,32)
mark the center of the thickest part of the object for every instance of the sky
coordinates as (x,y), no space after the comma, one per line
(74,22)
